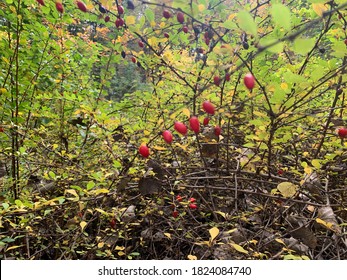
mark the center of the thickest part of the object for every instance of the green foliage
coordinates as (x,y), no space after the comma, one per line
(79,96)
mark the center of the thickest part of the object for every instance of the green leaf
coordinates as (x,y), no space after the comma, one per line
(281,16)
(291,77)
(51,174)
(229,24)
(18,203)
(149,15)
(90,185)
(316,163)
(247,23)
(303,46)
(317,1)
(276,47)
(5,205)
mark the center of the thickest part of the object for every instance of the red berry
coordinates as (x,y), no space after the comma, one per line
(206,121)
(179,198)
(119,22)
(192,200)
(59,7)
(346,41)
(41,2)
(167,135)
(166,35)
(107,18)
(207,41)
(175,214)
(193,206)
(166,14)
(120,10)
(180,17)
(200,50)
(185,29)
(216,81)
(217,130)
(249,81)
(280,172)
(227,77)
(208,107)
(1,129)
(82,6)
(144,151)
(133,59)
(342,132)
(113,223)
(194,124)
(180,128)
(141,45)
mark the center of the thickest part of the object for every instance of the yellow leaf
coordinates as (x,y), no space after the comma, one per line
(120,248)
(201,7)
(284,86)
(191,257)
(316,163)
(83,225)
(73,192)
(101,244)
(280,241)
(186,112)
(308,170)
(13,247)
(319,8)
(129,20)
(101,211)
(168,235)
(231,16)
(239,248)
(203,243)
(327,225)
(287,189)
(214,232)
(121,253)
(99,191)
(159,148)
(324,223)
(183,147)
(224,215)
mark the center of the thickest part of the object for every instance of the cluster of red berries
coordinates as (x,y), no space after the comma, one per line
(181,128)
(191,204)
(60,8)
(194,122)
